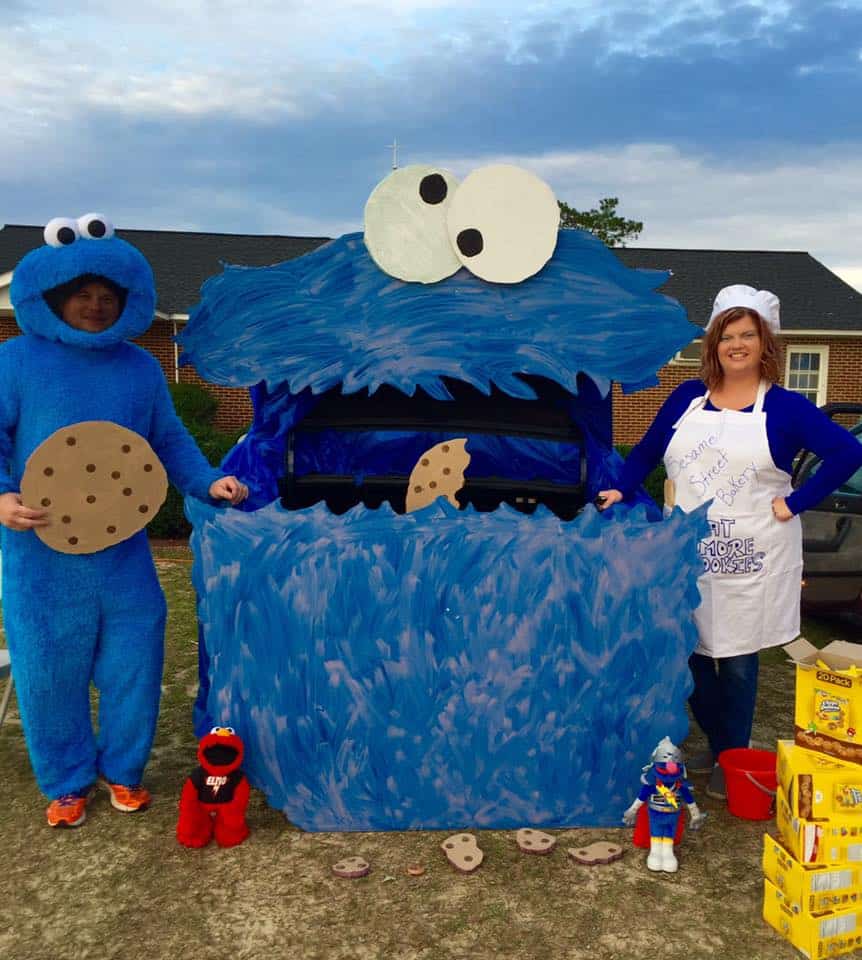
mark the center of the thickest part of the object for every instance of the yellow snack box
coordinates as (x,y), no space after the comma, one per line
(828,716)
(811,889)
(818,786)
(827,934)
(837,840)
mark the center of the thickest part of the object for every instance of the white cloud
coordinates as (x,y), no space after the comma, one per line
(801,199)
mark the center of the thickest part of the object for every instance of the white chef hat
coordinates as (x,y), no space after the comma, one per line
(762,302)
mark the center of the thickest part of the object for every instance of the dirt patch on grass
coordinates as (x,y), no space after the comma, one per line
(121,885)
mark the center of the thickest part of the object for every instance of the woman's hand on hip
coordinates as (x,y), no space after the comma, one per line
(607,498)
(15,516)
(780,510)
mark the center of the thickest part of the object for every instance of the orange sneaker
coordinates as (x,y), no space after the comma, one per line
(69,810)
(134,799)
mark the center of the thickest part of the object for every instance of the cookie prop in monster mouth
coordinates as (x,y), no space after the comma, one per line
(215,795)
(88,414)
(664,790)
(487,662)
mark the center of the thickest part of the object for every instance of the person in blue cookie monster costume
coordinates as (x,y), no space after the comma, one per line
(100,617)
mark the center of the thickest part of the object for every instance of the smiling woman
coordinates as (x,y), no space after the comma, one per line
(729,441)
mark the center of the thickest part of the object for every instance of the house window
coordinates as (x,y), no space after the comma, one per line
(806,372)
(689,354)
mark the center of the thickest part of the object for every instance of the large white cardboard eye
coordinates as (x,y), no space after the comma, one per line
(95,226)
(60,232)
(503,223)
(405,224)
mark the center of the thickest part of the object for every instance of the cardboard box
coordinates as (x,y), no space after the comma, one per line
(828,715)
(811,889)
(827,934)
(818,786)
(837,840)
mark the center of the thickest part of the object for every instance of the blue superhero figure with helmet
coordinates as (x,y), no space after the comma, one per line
(663,789)
(73,619)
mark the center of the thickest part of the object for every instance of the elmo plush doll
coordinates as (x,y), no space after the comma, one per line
(215,795)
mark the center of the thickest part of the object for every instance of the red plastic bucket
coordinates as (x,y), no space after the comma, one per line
(641,836)
(751,781)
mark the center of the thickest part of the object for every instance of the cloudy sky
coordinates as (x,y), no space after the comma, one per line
(720,124)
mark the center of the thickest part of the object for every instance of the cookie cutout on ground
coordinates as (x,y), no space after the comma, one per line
(99,482)
(534,841)
(463,852)
(438,472)
(351,868)
(415,869)
(596,853)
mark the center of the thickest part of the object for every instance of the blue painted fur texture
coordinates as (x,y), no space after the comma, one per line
(100,617)
(445,668)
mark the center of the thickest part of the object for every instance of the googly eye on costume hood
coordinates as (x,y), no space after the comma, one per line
(60,232)
(95,226)
(503,223)
(405,224)
(65,258)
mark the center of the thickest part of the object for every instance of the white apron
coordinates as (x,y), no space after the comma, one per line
(750,589)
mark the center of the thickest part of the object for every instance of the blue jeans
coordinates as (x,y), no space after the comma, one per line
(725,691)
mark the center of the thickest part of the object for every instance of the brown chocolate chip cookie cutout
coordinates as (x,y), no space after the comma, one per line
(596,853)
(534,841)
(351,868)
(463,852)
(438,472)
(99,482)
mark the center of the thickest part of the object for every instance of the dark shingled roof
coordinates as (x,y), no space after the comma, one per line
(812,297)
(181,261)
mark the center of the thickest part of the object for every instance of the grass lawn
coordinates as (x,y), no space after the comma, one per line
(121,886)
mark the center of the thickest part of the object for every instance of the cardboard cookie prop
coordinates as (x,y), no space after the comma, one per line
(100,482)
(438,472)
(215,795)
(463,852)
(351,868)
(600,852)
(427,669)
(534,841)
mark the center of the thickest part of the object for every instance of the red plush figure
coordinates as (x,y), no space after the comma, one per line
(216,794)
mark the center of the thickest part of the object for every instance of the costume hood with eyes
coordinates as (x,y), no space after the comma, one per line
(441,668)
(100,616)
(48,267)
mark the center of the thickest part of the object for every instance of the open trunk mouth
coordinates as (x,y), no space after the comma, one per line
(358,448)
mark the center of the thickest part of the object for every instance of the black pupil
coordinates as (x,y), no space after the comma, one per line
(66,235)
(96,228)
(433,188)
(470,242)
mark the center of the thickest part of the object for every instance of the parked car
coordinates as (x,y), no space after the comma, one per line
(832,532)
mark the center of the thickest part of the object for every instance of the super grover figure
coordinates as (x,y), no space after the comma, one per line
(663,787)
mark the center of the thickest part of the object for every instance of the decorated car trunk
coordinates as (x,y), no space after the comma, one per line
(502,655)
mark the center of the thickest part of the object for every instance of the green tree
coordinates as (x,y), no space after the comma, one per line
(605,222)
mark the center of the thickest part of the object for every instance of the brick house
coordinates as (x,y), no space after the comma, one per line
(821,314)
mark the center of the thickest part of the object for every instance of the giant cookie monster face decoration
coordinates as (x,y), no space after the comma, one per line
(74,248)
(495,665)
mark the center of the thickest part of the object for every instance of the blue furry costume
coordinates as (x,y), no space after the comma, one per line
(100,617)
